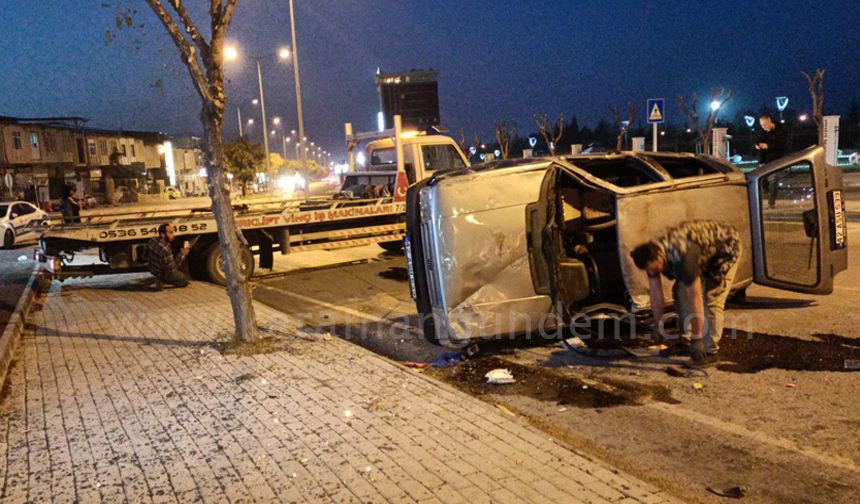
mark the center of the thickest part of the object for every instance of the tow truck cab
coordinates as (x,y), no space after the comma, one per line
(391,160)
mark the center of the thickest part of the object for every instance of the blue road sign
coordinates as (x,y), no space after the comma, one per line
(655,109)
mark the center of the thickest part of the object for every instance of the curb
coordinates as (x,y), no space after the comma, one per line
(12,331)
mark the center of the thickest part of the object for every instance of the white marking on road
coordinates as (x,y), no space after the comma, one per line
(738,430)
(343,309)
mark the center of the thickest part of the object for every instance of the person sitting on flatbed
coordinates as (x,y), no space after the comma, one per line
(163,262)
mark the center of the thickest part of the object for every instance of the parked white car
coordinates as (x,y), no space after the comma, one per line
(172,192)
(21,222)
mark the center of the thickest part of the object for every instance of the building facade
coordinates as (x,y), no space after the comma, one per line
(38,156)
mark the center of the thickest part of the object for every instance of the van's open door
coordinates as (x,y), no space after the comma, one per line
(797,215)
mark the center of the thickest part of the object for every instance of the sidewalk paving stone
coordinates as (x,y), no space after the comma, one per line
(119,394)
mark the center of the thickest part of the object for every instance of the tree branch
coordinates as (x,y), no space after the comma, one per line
(191,28)
(227,18)
(185,48)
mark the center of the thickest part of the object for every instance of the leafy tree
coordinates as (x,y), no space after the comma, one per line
(244,159)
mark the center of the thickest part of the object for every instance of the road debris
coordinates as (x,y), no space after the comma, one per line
(375,404)
(698,387)
(505,410)
(680,372)
(415,365)
(327,336)
(575,343)
(500,377)
(448,359)
(734,492)
(792,383)
(22,258)
(472,350)
(244,377)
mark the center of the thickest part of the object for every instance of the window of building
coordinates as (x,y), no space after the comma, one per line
(122,150)
(91,146)
(50,142)
(16,140)
(103,148)
(34,140)
(133,153)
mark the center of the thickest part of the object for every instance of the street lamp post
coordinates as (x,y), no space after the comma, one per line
(239,113)
(265,129)
(298,85)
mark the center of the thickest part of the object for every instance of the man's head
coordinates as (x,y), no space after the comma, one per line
(166,232)
(766,122)
(649,257)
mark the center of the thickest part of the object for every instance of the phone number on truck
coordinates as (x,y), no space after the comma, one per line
(146,232)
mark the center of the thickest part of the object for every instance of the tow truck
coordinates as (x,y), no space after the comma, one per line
(370,208)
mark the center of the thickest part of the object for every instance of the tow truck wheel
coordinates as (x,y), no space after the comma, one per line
(8,239)
(215,272)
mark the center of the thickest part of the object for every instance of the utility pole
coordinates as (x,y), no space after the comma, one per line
(298,88)
(263,110)
(239,113)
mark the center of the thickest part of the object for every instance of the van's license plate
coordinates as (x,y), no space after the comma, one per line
(408,249)
(838,225)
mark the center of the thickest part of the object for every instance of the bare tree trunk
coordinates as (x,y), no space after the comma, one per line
(816,94)
(204,61)
(237,286)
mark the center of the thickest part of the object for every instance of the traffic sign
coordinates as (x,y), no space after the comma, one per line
(655,110)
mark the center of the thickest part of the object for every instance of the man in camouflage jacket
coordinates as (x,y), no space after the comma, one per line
(701,257)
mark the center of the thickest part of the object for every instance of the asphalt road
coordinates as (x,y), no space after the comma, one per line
(779,417)
(13,279)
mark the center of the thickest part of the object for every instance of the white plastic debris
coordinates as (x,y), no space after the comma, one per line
(263,381)
(500,377)
(347,413)
(22,258)
(574,343)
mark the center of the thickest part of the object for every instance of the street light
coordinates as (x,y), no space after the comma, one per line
(715,105)
(295,56)
(276,121)
(230,53)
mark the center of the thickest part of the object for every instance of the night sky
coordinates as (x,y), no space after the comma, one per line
(497,59)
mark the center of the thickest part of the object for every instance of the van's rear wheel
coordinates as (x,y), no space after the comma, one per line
(8,239)
(214,269)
